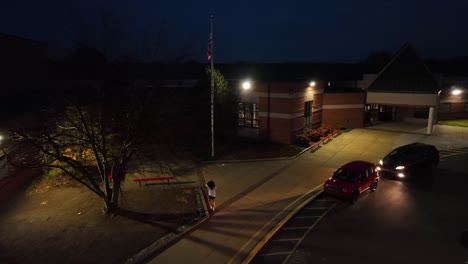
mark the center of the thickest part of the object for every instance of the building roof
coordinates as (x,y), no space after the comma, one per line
(294,71)
(405,73)
(339,89)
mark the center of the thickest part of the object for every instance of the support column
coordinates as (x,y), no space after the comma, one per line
(430,121)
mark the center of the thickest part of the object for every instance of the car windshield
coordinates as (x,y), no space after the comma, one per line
(346,175)
(397,154)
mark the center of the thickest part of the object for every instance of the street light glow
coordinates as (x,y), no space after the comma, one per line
(456,92)
(312,84)
(246,85)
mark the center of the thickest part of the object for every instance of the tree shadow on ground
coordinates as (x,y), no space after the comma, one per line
(169,222)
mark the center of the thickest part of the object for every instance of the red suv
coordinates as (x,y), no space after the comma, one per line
(352,179)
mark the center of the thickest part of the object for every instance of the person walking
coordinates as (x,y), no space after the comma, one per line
(211,194)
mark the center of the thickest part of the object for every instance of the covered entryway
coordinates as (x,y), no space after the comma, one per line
(403,91)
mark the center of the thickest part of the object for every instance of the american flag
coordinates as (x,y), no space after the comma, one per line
(209,52)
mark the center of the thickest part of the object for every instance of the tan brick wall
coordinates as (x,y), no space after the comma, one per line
(457,112)
(280,130)
(458,107)
(317,117)
(453,116)
(446,96)
(280,105)
(349,118)
(344,98)
(342,116)
(318,100)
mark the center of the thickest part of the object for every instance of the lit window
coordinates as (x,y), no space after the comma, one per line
(248,115)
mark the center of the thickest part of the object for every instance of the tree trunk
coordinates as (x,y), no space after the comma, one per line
(110,208)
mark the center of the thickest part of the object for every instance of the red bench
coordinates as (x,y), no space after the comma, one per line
(314,145)
(145,180)
(329,136)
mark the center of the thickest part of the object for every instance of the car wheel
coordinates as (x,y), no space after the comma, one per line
(374,186)
(354,197)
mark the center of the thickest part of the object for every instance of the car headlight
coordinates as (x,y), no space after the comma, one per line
(400,168)
(381,162)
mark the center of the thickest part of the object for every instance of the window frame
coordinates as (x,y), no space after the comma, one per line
(443,110)
(308,114)
(247,115)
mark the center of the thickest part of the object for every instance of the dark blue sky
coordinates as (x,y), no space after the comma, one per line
(255,30)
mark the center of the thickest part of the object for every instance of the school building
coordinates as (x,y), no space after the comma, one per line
(278,102)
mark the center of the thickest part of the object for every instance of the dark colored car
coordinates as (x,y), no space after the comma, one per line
(409,161)
(352,179)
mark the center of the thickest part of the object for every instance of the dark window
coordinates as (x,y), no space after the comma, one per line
(446,108)
(308,114)
(248,115)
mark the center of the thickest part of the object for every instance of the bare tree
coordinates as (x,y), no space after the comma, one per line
(92,144)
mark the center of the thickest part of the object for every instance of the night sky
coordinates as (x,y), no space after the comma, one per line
(250,30)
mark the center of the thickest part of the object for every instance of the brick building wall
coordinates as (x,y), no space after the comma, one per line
(281,108)
(343,109)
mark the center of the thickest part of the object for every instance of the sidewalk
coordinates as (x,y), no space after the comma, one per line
(253,197)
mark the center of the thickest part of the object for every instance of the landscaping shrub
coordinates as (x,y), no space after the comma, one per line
(302,140)
(313,135)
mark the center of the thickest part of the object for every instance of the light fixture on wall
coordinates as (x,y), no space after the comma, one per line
(246,85)
(312,84)
(456,91)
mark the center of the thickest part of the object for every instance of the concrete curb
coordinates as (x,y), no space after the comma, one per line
(278,226)
(272,159)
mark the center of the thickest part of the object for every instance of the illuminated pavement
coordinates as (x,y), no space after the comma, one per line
(253,197)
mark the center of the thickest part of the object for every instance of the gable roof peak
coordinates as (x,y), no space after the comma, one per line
(405,72)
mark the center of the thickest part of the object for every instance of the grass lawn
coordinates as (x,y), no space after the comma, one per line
(460,123)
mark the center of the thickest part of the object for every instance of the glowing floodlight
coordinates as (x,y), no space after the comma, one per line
(456,92)
(246,85)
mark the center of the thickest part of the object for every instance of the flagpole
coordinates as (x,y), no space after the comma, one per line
(212,89)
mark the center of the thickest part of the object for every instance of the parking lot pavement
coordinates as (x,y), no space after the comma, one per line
(253,196)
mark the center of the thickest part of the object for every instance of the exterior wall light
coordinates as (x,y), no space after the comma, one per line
(312,84)
(246,85)
(456,92)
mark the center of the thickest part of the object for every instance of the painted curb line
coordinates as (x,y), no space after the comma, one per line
(278,226)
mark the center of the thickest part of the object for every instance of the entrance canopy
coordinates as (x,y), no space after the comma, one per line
(402,99)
